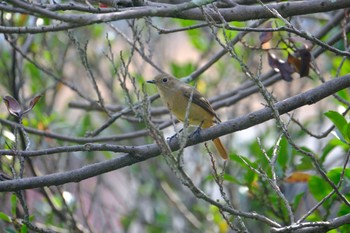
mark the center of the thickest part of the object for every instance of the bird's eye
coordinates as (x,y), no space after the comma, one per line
(165,80)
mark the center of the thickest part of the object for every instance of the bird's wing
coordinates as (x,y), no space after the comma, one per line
(198,99)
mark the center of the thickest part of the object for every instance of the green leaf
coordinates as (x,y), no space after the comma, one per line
(344,94)
(237,159)
(305,164)
(319,188)
(31,218)
(249,176)
(5,217)
(334,174)
(347,130)
(107,154)
(328,148)
(315,216)
(127,219)
(340,143)
(232,179)
(24,228)
(182,70)
(85,125)
(13,204)
(297,200)
(197,37)
(8,230)
(343,210)
(332,231)
(284,153)
(47,21)
(340,123)
(337,61)
(57,201)
(34,73)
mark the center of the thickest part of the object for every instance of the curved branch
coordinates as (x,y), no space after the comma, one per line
(141,153)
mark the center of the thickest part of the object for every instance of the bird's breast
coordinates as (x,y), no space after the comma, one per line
(178,104)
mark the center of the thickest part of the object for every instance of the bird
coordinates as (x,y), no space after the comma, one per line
(176,95)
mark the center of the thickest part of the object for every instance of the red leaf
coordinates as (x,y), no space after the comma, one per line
(32,103)
(305,57)
(102,5)
(302,64)
(266,36)
(12,105)
(294,61)
(286,71)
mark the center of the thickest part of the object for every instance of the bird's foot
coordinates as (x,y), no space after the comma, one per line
(196,132)
(174,136)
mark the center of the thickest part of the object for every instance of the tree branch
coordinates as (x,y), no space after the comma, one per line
(141,153)
(309,227)
(188,10)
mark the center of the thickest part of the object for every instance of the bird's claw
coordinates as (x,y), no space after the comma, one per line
(172,137)
(196,132)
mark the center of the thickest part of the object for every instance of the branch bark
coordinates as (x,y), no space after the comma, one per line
(309,227)
(188,10)
(144,152)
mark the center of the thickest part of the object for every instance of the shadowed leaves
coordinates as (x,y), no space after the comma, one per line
(299,62)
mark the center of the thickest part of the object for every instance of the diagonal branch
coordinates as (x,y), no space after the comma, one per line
(141,153)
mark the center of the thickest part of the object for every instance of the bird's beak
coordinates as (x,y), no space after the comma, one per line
(151,81)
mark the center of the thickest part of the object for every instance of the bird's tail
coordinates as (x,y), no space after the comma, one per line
(221,149)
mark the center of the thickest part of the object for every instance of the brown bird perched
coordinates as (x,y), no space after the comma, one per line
(176,96)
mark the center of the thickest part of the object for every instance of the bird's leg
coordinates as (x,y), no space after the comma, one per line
(198,130)
(175,135)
